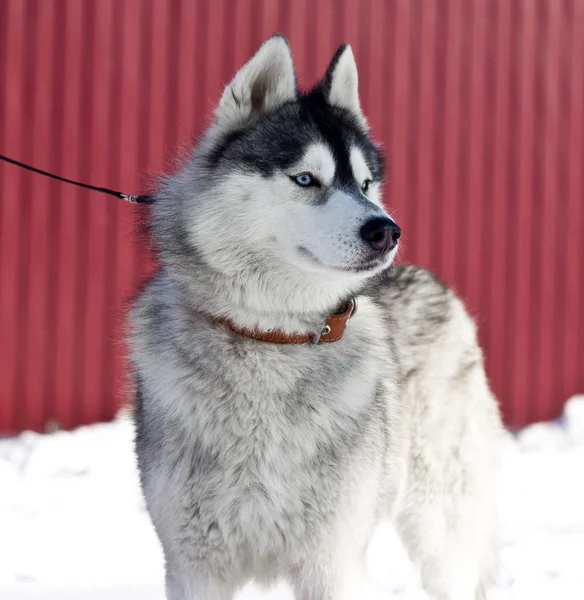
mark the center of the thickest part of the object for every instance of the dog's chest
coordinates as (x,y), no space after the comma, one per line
(268,454)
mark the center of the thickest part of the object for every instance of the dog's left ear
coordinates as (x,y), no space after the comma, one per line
(263,84)
(341,83)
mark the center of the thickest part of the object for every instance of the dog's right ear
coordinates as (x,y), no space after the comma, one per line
(264,83)
(341,83)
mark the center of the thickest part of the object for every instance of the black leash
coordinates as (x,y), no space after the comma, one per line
(128,197)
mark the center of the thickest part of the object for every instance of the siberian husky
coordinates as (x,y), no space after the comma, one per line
(293,388)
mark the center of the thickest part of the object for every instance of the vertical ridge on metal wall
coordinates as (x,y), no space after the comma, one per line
(478,105)
(115,145)
(573,237)
(494,53)
(22,347)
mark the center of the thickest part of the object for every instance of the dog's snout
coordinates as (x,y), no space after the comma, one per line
(381,233)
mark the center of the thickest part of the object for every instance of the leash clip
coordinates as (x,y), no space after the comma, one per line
(129,198)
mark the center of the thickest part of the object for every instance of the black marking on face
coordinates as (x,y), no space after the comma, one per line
(278,140)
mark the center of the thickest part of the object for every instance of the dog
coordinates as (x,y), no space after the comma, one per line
(294,387)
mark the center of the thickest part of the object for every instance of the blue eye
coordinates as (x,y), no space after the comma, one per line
(304,179)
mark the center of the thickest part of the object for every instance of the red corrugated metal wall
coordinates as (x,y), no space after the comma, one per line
(480,108)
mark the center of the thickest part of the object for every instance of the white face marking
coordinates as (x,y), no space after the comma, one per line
(359,167)
(361,172)
(319,161)
(277,219)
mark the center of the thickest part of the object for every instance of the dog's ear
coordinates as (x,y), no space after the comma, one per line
(264,83)
(341,83)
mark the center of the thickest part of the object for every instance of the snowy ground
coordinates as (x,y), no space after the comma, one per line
(73,525)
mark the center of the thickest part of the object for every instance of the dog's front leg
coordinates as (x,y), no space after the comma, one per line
(335,578)
(323,584)
(187,585)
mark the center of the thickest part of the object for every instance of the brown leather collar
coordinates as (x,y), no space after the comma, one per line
(332,330)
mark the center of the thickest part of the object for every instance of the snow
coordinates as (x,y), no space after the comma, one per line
(73,523)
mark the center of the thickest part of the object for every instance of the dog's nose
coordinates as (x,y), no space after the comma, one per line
(381,233)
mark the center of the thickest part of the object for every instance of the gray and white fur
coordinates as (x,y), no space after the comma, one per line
(266,461)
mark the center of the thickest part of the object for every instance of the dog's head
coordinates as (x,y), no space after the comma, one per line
(286,184)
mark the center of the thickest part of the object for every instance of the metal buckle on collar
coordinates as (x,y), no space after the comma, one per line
(354,308)
(326,329)
(316,337)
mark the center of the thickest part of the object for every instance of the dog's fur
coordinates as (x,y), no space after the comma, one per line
(262,460)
